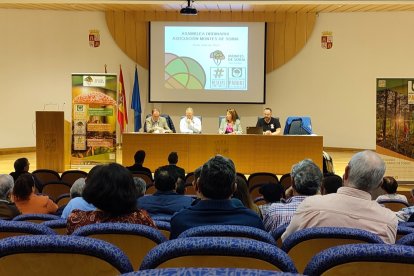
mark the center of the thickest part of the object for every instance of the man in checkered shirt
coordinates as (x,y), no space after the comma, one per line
(306,181)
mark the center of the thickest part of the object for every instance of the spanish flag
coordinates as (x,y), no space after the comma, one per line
(122,112)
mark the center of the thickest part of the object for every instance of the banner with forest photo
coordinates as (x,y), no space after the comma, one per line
(395,126)
(94,98)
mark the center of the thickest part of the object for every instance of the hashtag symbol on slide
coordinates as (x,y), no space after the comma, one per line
(218,73)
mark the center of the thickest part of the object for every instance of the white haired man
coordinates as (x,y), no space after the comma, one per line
(352,206)
(7,209)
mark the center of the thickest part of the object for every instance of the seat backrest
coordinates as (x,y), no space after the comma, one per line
(302,245)
(145,176)
(296,125)
(62,200)
(262,178)
(393,204)
(286,181)
(35,218)
(220,118)
(55,189)
(363,259)
(45,176)
(16,228)
(240,231)
(164,227)
(57,225)
(403,230)
(218,252)
(256,180)
(277,234)
(150,189)
(71,176)
(133,239)
(189,178)
(60,255)
(207,271)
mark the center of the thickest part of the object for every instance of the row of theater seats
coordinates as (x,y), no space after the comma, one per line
(128,247)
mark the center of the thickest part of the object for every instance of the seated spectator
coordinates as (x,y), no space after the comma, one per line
(180,187)
(77,201)
(8,210)
(306,181)
(215,186)
(21,166)
(165,201)
(140,185)
(242,194)
(27,201)
(352,206)
(272,193)
(172,166)
(390,186)
(139,158)
(330,183)
(112,190)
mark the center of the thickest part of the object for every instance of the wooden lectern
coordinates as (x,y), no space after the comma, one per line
(52,141)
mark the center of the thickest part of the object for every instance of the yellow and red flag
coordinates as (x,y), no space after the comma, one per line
(122,112)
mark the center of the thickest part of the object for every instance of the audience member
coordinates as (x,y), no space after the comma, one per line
(165,201)
(112,190)
(27,201)
(242,193)
(390,186)
(306,181)
(231,124)
(21,166)
(190,124)
(8,210)
(140,185)
(215,186)
(330,183)
(178,172)
(352,206)
(139,158)
(77,201)
(272,193)
(270,125)
(156,123)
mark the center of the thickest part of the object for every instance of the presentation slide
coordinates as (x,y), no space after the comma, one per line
(212,69)
(218,62)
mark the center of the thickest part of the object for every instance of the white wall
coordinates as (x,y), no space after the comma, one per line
(40,49)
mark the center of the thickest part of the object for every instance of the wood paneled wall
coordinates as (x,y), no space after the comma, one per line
(287,32)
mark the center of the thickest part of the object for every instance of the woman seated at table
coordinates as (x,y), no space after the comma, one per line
(27,201)
(231,124)
(111,189)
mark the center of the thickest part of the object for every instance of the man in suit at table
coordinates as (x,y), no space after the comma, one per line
(270,125)
(156,124)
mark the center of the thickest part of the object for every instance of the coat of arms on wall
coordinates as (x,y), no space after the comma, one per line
(94,38)
(327,40)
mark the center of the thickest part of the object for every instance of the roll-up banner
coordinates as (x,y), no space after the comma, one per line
(94,98)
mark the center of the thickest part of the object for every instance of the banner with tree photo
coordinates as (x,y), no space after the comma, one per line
(94,98)
(395,126)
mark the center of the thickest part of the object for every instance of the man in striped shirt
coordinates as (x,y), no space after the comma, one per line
(306,181)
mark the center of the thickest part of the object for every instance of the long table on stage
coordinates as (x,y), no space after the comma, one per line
(250,153)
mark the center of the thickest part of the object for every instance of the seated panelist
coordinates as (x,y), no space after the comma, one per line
(270,125)
(190,124)
(231,124)
(156,124)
